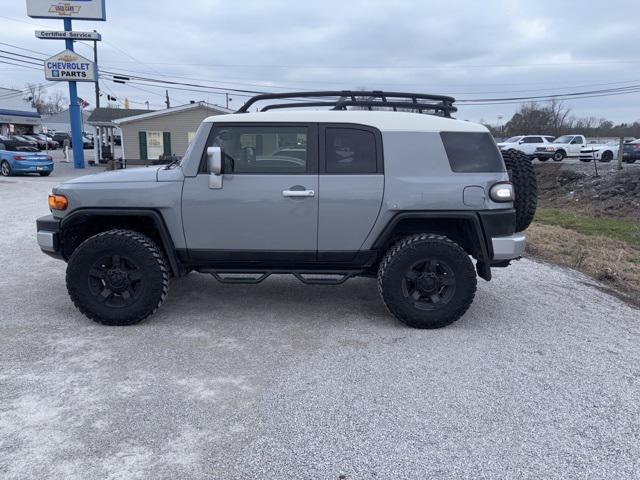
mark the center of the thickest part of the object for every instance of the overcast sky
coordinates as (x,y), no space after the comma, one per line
(464,48)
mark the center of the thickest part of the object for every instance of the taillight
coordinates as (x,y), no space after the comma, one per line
(19,157)
(49,157)
(636,147)
(58,202)
(502,192)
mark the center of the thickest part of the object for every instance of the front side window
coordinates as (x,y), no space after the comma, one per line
(533,140)
(563,139)
(250,149)
(350,151)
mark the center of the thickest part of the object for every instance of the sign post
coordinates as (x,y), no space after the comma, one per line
(69,66)
(74,111)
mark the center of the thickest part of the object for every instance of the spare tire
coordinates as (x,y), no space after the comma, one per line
(525,186)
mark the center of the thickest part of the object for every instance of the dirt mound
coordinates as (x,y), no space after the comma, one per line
(615,193)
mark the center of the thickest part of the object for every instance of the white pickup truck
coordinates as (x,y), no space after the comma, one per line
(526,144)
(561,147)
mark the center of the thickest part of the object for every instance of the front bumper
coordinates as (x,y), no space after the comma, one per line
(48,236)
(508,247)
(544,154)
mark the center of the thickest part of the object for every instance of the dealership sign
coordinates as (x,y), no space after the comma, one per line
(68,66)
(74,9)
(57,35)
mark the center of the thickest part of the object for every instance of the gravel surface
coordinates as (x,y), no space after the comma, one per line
(540,379)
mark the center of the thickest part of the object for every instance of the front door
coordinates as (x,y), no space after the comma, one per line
(267,208)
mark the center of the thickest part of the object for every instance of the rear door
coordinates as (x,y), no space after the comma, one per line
(351,186)
(267,208)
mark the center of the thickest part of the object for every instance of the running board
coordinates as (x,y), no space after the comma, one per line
(253,277)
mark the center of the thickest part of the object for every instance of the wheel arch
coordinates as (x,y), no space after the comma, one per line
(465,228)
(83,223)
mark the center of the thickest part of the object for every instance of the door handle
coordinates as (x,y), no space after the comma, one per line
(298,193)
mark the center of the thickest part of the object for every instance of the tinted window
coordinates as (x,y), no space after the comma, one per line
(262,149)
(472,152)
(533,140)
(349,150)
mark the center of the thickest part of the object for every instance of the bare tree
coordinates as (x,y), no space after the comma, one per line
(43,103)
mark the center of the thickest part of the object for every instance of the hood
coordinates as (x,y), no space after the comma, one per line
(142,174)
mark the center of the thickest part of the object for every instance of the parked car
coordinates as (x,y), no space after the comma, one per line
(15,142)
(87,142)
(15,158)
(600,152)
(60,137)
(25,139)
(51,143)
(561,147)
(43,143)
(631,151)
(526,144)
(348,207)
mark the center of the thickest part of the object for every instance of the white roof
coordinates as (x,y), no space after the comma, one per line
(386,121)
(169,111)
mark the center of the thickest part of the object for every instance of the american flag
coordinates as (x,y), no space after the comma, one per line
(83,103)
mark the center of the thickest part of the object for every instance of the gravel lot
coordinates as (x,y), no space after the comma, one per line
(541,378)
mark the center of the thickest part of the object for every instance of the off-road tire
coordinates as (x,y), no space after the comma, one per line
(559,156)
(525,186)
(414,249)
(5,169)
(129,247)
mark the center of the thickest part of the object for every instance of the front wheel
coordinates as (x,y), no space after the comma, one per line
(558,156)
(606,156)
(44,174)
(118,277)
(5,169)
(427,281)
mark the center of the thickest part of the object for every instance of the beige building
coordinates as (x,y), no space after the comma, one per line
(147,137)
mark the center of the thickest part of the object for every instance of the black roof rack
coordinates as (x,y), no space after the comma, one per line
(341,99)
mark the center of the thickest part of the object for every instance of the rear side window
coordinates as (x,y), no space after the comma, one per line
(349,150)
(472,152)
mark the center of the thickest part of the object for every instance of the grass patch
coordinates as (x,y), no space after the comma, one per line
(626,231)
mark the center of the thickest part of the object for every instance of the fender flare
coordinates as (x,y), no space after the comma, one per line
(484,263)
(154,215)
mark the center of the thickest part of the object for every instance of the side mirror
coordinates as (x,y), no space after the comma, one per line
(521,141)
(214,166)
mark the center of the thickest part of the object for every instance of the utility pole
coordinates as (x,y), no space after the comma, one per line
(620,152)
(167,103)
(227,97)
(97,140)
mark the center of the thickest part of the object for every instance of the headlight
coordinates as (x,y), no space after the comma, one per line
(58,202)
(502,192)
(551,149)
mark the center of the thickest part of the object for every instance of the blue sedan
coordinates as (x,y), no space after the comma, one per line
(24,160)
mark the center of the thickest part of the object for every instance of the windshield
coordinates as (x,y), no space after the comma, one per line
(512,139)
(563,139)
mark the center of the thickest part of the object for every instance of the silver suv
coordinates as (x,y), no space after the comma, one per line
(348,186)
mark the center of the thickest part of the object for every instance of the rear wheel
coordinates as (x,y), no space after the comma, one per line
(118,277)
(543,159)
(606,156)
(5,169)
(427,281)
(44,174)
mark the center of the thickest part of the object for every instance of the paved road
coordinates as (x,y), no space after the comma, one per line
(541,379)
